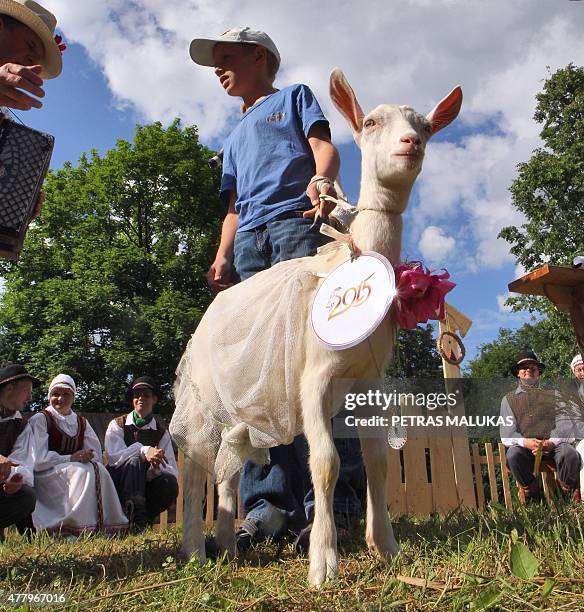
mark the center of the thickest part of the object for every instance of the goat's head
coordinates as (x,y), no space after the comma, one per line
(392,138)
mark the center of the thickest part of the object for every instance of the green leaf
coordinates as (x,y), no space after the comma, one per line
(514,536)
(487,597)
(547,588)
(523,564)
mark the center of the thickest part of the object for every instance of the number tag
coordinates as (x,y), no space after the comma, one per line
(353,300)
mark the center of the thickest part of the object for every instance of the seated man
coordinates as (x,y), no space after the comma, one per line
(17,451)
(141,459)
(533,412)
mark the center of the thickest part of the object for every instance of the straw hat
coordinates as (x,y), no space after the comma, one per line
(42,23)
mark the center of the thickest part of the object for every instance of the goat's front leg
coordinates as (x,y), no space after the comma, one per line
(379,532)
(324,469)
(194,487)
(225,525)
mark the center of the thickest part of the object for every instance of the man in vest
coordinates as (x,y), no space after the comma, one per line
(17,497)
(140,458)
(533,413)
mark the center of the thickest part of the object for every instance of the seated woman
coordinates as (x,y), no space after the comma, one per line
(75,493)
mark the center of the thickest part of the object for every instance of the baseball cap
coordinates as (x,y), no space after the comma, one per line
(202,48)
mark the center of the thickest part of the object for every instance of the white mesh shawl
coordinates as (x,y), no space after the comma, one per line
(237,383)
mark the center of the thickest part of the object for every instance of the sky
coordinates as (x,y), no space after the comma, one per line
(128,63)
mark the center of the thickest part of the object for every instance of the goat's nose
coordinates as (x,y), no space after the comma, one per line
(411,139)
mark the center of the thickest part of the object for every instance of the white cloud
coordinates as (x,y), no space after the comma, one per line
(501,299)
(410,52)
(435,246)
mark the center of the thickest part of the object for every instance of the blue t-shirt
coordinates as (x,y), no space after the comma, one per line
(267,159)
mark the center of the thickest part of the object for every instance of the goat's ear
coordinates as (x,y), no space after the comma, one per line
(344,99)
(446,110)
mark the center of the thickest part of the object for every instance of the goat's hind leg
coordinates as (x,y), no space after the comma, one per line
(324,469)
(225,526)
(194,488)
(379,532)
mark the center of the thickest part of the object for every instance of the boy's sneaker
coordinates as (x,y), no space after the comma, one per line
(247,534)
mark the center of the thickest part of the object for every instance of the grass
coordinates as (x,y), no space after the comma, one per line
(464,561)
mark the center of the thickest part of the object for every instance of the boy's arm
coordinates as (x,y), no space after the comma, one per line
(327,162)
(220,272)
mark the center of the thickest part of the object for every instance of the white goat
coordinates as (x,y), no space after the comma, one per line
(392,140)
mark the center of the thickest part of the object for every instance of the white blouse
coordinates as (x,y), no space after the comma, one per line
(23,452)
(46,458)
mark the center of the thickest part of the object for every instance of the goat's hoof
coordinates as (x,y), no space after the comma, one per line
(227,546)
(194,553)
(387,552)
(323,570)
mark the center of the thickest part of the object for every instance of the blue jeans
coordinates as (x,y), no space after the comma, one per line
(279,495)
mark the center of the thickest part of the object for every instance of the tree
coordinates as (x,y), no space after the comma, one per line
(549,191)
(416,354)
(111,281)
(544,337)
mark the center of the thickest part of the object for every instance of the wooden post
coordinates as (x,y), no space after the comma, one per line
(457,323)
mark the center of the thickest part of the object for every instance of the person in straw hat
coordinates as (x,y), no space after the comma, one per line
(17,450)
(29,53)
(75,493)
(534,430)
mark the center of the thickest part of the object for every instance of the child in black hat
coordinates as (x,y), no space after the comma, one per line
(140,457)
(17,496)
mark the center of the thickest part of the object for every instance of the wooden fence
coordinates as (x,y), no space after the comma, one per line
(420,482)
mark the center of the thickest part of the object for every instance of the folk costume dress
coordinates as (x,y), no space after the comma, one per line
(72,497)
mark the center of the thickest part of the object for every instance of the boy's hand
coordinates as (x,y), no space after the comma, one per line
(219,274)
(15,78)
(156,457)
(5,467)
(323,207)
(13,485)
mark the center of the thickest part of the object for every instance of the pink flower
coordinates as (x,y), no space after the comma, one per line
(61,45)
(420,294)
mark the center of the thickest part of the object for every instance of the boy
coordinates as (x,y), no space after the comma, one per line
(275,162)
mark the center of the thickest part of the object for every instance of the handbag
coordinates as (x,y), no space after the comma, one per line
(25,155)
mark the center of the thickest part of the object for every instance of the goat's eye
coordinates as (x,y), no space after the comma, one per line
(369,123)
(428,129)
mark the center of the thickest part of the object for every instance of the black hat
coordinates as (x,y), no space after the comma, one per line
(145,381)
(15,371)
(526,356)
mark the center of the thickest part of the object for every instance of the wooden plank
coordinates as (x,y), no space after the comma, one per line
(418,491)
(478,472)
(533,283)
(459,322)
(492,473)
(444,491)
(180,497)
(210,497)
(396,497)
(163,520)
(505,478)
